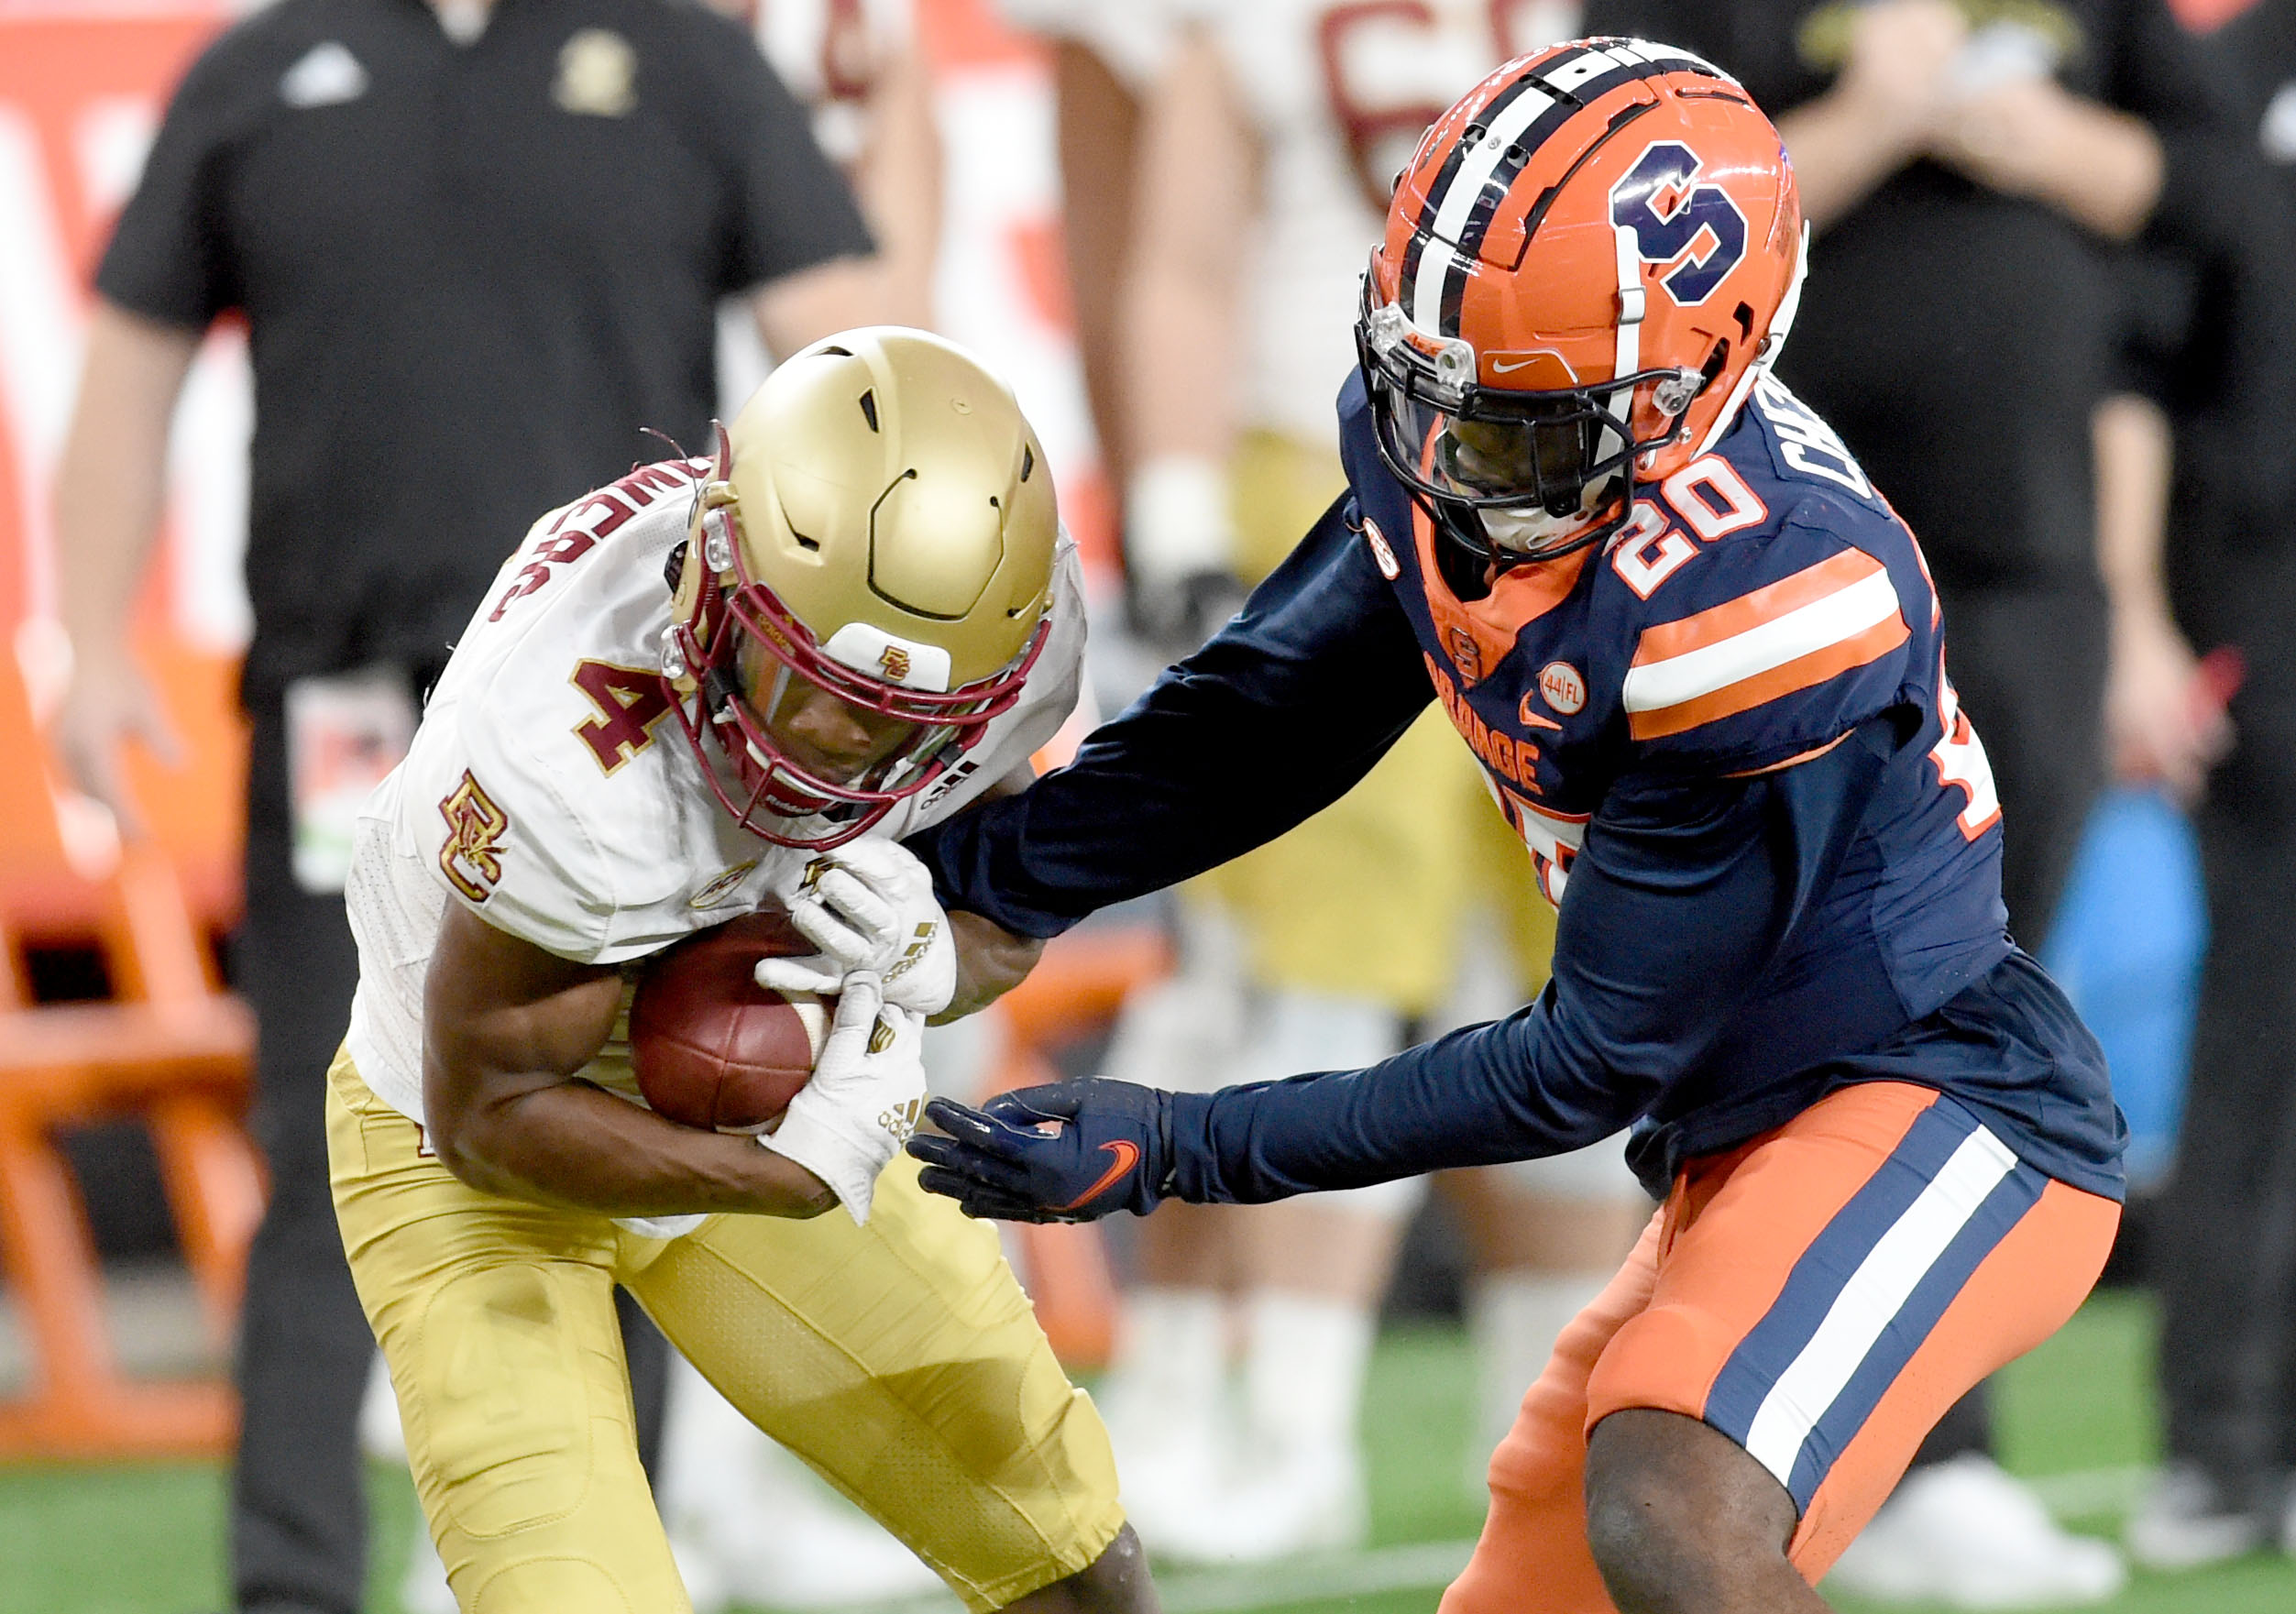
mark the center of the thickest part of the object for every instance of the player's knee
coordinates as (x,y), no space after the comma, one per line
(1679,1518)
(1114,1583)
(503,1407)
(1632,1533)
(551,1585)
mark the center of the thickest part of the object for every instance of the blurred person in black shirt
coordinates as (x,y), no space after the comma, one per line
(1973,172)
(477,250)
(2216,345)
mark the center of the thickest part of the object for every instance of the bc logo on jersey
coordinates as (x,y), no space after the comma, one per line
(1670,218)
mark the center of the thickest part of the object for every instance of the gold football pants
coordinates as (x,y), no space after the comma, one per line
(1366,898)
(900,1360)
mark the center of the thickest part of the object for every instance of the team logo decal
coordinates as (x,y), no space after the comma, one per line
(1381,555)
(717,890)
(1562,687)
(597,73)
(472,857)
(1697,228)
(896,663)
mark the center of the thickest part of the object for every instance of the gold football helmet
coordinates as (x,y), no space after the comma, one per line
(878,527)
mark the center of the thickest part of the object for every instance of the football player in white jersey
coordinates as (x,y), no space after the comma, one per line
(1269,143)
(714,683)
(855,65)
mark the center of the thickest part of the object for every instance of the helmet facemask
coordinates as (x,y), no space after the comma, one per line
(741,667)
(1514,475)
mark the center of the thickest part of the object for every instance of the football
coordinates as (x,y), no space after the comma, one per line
(711,1047)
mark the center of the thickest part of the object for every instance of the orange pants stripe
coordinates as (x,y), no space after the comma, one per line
(1821,1294)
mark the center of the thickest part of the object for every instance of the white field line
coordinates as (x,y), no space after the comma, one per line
(1294,1580)
(1337,1575)
(2089,1492)
(2085,1494)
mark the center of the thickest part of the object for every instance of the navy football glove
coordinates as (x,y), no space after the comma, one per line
(1074,1151)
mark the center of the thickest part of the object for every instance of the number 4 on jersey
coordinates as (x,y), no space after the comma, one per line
(629,701)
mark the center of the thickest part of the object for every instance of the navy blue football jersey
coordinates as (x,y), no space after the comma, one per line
(1728,740)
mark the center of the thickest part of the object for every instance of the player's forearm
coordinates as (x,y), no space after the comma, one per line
(991,961)
(899,185)
(2099,167)
(2104,170)
(1682,895)
(112,479)
(1178,310)
(1276,717)
(572,1144)
(2134,451)
(1478,1097)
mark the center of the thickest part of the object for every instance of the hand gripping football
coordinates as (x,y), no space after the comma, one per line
(711,1047)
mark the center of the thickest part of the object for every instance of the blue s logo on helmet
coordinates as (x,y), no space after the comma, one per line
(1669,218)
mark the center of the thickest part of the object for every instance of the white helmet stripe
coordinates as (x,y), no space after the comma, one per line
(1634,302)
(1435,262)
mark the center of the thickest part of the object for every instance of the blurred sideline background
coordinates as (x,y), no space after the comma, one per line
(82,86)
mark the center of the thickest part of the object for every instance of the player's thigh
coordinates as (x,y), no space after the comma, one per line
(1365,899)
(902,1361)
(496,1318)
(1830,1289)
(1532,1551)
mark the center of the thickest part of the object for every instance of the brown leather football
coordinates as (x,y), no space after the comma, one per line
(711,1047)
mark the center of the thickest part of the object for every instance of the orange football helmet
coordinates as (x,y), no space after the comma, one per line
(1584,263)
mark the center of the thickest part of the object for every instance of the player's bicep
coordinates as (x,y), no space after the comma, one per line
(503,1017)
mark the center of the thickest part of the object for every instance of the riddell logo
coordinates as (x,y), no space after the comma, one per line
(896,663)
(1562,686)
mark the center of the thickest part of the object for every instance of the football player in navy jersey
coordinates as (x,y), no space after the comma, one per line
(1702,665)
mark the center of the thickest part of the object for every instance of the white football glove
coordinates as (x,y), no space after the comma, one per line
(868,906)
(867,1090)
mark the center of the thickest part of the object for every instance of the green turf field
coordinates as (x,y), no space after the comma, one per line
(2075,1414)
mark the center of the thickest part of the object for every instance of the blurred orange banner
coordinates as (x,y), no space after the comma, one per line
(81,88)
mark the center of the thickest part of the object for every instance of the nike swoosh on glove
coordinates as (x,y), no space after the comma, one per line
(1074,1151)
(868,906)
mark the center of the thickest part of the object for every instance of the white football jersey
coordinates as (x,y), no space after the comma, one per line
(1132,37)
(551,790)
(1339,94)
(831,53)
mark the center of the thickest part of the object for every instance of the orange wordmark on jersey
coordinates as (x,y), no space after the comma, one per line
(472,858)
(1516,761)
(1794,634)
